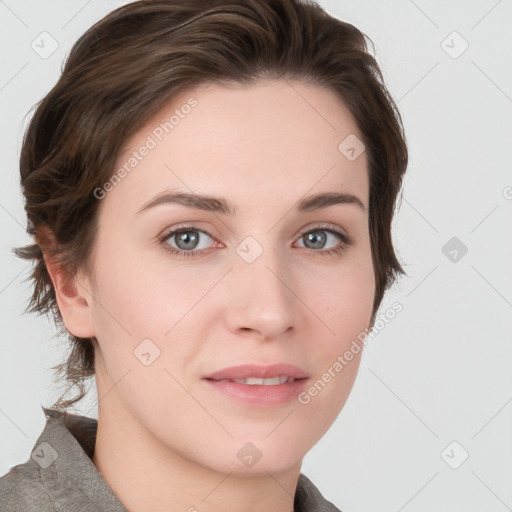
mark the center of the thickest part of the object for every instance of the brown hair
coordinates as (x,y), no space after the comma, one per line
(124,69)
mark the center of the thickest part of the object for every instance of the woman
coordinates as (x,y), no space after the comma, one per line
(210,187)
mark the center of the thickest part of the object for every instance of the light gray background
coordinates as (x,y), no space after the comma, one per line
(441,370)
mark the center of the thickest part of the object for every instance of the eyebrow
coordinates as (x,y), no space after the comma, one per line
(222,205)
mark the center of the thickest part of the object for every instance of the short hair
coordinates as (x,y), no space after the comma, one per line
(128,65)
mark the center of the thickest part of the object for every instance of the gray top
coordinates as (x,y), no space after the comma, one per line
(60,475)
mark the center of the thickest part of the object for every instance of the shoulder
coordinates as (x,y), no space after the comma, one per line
(309,499)
(25,487)
(22,489)
(37,483)
(59,474)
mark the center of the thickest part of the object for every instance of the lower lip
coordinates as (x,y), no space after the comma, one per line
(260,395)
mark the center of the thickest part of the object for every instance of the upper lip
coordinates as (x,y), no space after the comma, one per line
(253,370)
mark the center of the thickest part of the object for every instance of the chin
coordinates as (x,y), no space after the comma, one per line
(253,456)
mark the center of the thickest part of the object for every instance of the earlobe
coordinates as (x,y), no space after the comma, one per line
(73,298)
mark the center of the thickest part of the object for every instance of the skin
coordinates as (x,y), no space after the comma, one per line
(165,440)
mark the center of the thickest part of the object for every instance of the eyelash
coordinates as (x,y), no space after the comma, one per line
(346,241)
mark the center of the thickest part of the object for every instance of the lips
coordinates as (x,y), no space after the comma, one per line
(257,381)
(259,386)
(259,374)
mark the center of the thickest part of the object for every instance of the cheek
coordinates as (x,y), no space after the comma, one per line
(127,295)
(139,298)
(346,302)
(346,295)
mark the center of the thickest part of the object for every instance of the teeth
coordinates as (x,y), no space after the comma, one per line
(251,381)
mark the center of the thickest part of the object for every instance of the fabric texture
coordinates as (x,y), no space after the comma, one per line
(61,477)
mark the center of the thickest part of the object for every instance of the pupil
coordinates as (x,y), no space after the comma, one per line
(187,240)
(317,241)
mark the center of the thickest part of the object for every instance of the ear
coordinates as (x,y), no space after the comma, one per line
(73,293)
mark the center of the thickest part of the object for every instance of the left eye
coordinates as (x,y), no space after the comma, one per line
(317,238)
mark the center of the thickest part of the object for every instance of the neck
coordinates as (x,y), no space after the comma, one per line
(147,475)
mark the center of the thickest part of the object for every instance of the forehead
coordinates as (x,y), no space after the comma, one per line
(256,141)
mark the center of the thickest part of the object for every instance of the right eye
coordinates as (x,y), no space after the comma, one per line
(187,241)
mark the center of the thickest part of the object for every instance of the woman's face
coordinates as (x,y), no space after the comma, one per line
(269,283)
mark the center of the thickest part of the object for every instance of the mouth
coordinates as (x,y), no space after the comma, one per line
(259,386)
(267,373)
(257,381)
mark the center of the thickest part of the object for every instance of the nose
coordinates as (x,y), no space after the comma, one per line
(261,298)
